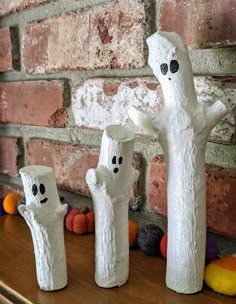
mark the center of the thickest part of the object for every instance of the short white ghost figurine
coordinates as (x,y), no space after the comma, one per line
(183,127)
(44,215)
(110,185)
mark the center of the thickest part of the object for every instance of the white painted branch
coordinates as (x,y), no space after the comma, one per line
(215,113)
(183,127)
(143,119)
(44,215)
(110,186)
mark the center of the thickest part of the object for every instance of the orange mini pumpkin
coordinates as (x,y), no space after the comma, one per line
(91,221)
(133,232)
(80,224)
(70,217)
(10,203)
(80,220)
(163,245)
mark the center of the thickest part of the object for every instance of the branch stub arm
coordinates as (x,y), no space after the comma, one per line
(143,120)
(215,113)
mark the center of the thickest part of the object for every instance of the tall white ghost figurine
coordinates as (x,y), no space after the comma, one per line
(183,127)
(110,184)
(44,215)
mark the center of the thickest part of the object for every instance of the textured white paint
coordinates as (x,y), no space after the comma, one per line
(94,109)
(44,215)
(183,127)
(110,193)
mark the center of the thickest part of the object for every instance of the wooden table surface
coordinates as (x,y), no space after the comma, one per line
(146,283)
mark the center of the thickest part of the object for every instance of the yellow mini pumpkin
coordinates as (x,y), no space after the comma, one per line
(220,275)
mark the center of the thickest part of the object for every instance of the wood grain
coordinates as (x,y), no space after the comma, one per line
(146,283)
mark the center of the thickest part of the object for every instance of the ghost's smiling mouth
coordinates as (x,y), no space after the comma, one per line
(42,190)
(43,201)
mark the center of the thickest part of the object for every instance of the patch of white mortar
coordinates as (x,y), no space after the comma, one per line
(3,100)
(93,109)
(209,90)
(71,158)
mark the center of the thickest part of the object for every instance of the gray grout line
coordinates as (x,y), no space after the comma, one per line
(216,154)
(76,76)
(47,10)
(6,179)
(205,63)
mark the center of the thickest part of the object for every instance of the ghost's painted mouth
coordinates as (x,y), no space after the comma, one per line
(169,78)
(43,201)
(115,170)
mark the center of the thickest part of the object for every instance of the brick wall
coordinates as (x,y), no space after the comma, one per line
(69,70)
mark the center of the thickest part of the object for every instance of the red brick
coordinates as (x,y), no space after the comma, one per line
(6,189)
(70,162)
(157,186)
(5,50)
(30,102)
(59,118)
(221,194)
(100,39)
(136,195)
(8,156)
(7,7)
(200,23)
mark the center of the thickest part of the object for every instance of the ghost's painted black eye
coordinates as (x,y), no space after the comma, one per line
(34,189)
(114,160)
(42,188)
(174,66)
(120,160)
(164,68)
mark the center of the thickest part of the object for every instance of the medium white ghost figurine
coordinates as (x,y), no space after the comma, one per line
(110,185)
(44,215)
(183,127)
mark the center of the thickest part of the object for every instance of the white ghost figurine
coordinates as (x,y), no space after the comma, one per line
(182,127)
(110,185)
(44,215)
